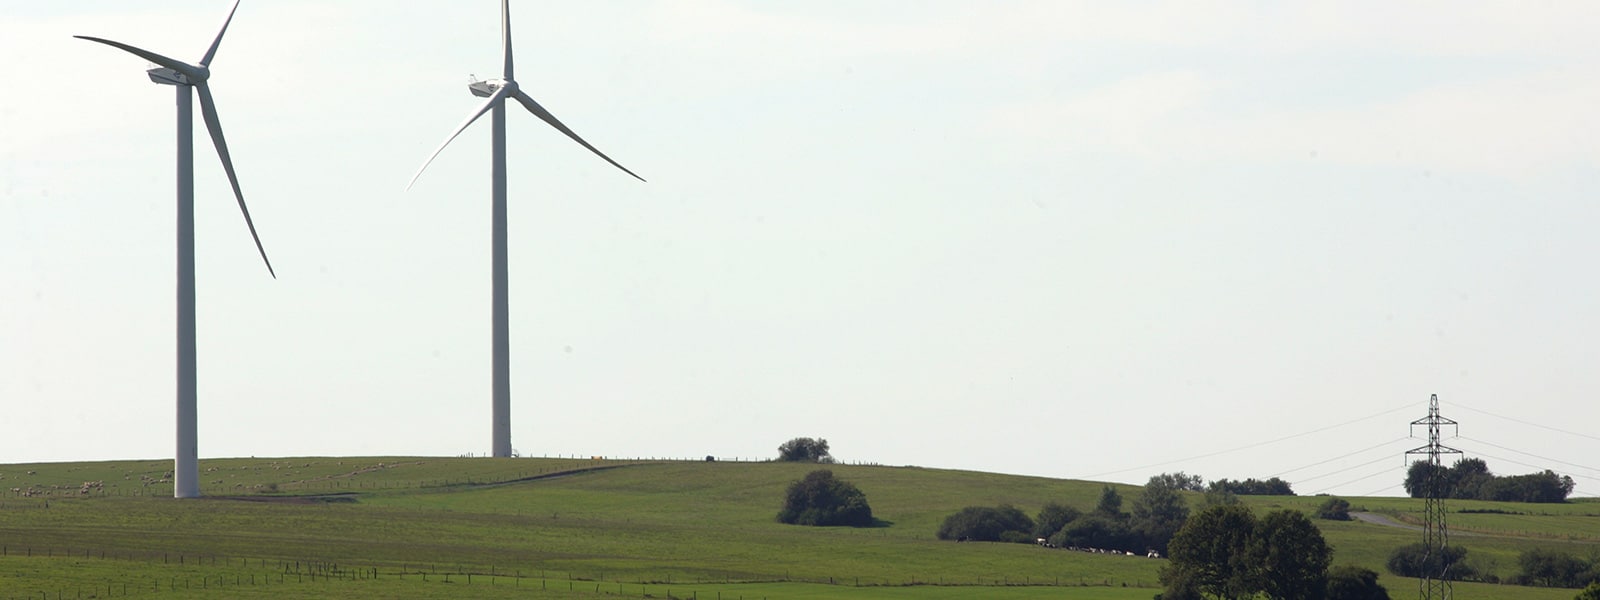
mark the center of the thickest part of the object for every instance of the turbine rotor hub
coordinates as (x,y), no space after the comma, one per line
(486,88)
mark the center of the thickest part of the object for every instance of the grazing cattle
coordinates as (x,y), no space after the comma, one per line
(1153,554)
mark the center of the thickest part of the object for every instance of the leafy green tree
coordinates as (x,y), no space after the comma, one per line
(1255,487)
(804,449)
(1350,582)
(1290,556)
(987,524)
(1181,481)
(1052,518)
(1415,560)
(1159,512)
(1334,509)
(1552,568)
(1589,593)
(1110,503)
(822,499)
(1096,530)
(1209,555)
(1470,479)
(1225,552)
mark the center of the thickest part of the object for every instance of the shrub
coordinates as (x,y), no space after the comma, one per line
(1589,593)
(1350,582)
(1551,568)
(1414,560)
(1098,531)
(821,499)
(986,524)
(1334,509)
(1052,518)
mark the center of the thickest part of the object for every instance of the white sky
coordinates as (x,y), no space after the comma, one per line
(1053,238)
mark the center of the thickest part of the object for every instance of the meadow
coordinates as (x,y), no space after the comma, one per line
(411,527)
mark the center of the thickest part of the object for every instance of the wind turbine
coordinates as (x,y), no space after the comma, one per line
(497,91)
(186,77)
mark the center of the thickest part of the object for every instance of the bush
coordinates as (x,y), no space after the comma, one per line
(1589,593)
(1551,568)
(820,499)
(987,524)
(1096,530)
(1052,518)
(804,449)
(1334,509)
(1414,560)
(1350,582)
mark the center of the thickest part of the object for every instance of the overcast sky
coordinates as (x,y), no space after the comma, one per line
(1091,239)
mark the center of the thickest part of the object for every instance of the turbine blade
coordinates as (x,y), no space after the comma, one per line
(171,63)
(212,51)
(505,36)
(540,112)
(208,110)
(498,95)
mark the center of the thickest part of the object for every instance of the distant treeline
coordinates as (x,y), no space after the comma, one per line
(1470,479)
(1253,487)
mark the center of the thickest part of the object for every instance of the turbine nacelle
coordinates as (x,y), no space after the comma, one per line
(166,76)
(487,88)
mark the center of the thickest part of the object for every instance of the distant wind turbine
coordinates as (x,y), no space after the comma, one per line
(497,91)
(186,471)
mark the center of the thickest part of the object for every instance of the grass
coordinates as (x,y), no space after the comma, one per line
(558,528)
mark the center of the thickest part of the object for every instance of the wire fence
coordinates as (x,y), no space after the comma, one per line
(220,573)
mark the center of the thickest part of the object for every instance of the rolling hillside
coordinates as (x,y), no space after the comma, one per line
(377,527)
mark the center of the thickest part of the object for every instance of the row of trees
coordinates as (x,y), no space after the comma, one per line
(1156,515)
(1470,479)
(1254,487)
(1539,567)
(1226,552)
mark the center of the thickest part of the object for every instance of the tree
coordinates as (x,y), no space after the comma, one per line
(1415,560)
(1209,555)
(1255,487)
(1224,552)
(1110,503)
(987,524)
(1159,512)
(804,449)
(821,499)
(1470,479)
(1180,481)
(1334,509)
(1552,568)
(1290,556)
(1350,582)
(1589,593)
(1052,518)
(1096,530)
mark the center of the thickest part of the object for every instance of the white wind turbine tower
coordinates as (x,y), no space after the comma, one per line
(497,91)
(184,76)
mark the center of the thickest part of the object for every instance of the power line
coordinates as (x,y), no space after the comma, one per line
(1249,446)
(1529,454)
(1319,463)
(1379,460)
(1362,478)
(1578,475)
(1516,420)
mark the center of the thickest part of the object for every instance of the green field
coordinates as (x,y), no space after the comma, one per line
(563,528)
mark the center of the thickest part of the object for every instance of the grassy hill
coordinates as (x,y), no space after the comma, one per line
(536,528)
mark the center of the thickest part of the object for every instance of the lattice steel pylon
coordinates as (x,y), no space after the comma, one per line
(1434,533)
